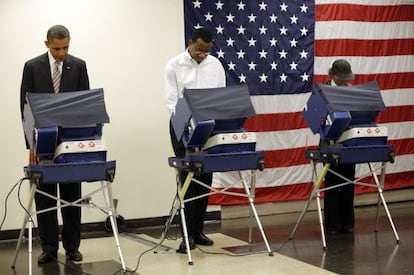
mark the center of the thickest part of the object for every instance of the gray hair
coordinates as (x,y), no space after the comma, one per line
(58,32)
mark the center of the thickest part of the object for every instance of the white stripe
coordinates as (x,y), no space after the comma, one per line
(367,2)
(363,30)
(368,65)
(398,97)
(399,130)
(270,104)
(303,173)
(402,163)
(278,140)
(276,104)
(269,177)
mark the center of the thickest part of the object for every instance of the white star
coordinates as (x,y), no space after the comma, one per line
(230,41)
(304,8)
(230,17)
(273,18)
(262,6)
(220,29)
(219,5)
(283,54)
(293,43)
(263,78)
(220,54)
(208,17)
(283,30)
(283,7)
(305,77)
(252,42)
(283,78)
(262,54)
(303,54)
(198,26)
(273,42)
(241,5)
(241,29)
(252,66)
(262,30)
(303,31)
(231,65)
(197,4)
(273,65)
(242,78)
(240,54)
(294,19)
(252,17)
(293,66)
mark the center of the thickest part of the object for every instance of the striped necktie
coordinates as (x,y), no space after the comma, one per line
(56,77)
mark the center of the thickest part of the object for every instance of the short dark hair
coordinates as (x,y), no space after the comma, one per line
(202,33)
(342,69)
(58,32)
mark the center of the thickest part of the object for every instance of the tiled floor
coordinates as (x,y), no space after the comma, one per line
(364,252)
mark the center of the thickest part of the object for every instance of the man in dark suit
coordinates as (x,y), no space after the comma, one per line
(52,72)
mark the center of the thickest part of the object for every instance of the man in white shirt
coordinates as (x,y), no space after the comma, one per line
(192,69)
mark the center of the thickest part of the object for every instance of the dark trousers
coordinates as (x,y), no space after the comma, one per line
(339,201)
(194,210)
(48,221)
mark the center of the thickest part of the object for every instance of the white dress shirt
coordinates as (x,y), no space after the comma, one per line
(183,71)
(52,64)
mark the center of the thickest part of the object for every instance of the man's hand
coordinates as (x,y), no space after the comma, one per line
(32,157)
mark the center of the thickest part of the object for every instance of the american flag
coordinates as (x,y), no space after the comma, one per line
(281,48)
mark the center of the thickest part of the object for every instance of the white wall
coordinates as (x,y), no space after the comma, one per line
(125,44)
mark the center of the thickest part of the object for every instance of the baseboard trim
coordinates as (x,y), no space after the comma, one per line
(98,229)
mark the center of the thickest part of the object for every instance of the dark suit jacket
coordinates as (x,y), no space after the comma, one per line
(37,77)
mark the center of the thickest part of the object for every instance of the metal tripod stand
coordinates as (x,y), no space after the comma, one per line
(379,185)
(28,220)
(179,205)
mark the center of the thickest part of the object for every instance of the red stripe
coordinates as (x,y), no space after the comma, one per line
(290,121)
(275,122)
(364,13)
(266,194)
(302,191)
(396,114)
(392,181)
(296,156)
(359,47)
(286,157)
(403,146)
(386,81)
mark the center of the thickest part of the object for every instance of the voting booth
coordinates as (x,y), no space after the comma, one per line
(64,130)
(209,122)
(344,118)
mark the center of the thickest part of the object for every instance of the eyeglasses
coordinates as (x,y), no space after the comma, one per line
(198,51)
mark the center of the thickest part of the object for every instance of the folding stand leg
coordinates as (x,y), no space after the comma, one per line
(181,194)
(253,195)
(27,218)
(107,190)
(253,208)
(315,192)
(179,205)
(381,195)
